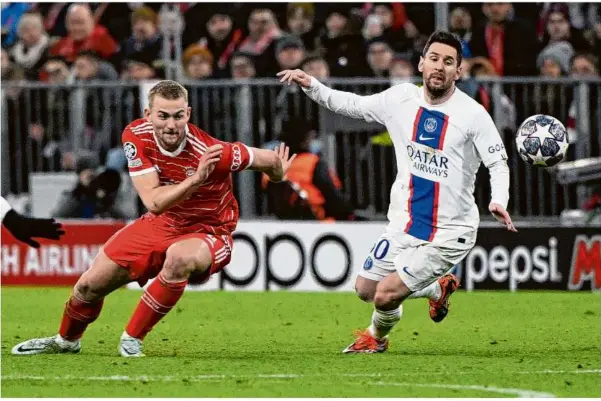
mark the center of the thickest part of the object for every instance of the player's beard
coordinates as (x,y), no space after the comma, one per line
(438,91)
(170,140)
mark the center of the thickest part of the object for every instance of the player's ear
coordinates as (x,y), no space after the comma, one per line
(458,72)
(420,65)
(147,113)
(188,112)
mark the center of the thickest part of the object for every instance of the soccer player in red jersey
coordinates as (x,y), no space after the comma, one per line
(184,178)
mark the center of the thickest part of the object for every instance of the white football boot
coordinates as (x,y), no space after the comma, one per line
(47,345)
(130,347)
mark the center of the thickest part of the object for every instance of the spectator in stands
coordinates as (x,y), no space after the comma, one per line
(311,174)
(394,23)
(379,57)
(242,66)
(84,34)
(222,40)
(290,52)
(555,59)
(372,28)
(300,18)
(511,45)
(89,67)
(30,51)
(197,62)
(94,193)
(11,72)
(56,70)
(143,65)
(584,65)
(11,14)
(145,34)
(343,48)
(316,66)
(263,33)
(559,29)
(460,23)
(401,69)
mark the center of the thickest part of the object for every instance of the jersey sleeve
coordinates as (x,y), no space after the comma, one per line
(373,108)
(236,156)
(487,140)
(137,161)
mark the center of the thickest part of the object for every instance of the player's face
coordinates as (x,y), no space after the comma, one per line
(439,68)
(169,119)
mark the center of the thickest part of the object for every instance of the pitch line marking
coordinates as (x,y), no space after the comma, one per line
(491,389)
(199,378)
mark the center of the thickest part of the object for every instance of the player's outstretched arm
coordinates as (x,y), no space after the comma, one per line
(369,108)
(157,198)
(25,228)
(275,163)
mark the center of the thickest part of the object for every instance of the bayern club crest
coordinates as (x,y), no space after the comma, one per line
(430,125)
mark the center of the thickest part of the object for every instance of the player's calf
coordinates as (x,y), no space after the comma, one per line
(160,297)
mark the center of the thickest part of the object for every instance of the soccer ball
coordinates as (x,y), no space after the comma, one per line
(542,141)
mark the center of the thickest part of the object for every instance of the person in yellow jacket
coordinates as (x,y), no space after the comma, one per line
(309,181)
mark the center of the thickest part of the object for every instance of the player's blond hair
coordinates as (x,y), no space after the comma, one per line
(169,90)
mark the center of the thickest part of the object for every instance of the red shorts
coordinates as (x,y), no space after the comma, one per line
(141,248)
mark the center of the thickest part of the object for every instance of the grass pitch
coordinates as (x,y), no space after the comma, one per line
(225,344)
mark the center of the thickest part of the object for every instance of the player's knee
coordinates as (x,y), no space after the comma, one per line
(365,293)
(365,289)
(386,300)
(86,291)
(180,263)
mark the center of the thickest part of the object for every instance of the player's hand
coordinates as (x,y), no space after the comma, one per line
(25,228)
(283,153)
(502,216)
(297,76)
(207,162)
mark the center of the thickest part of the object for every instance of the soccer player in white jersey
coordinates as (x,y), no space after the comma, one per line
(440,136)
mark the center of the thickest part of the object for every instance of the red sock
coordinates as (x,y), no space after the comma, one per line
(156,302)
(77,316)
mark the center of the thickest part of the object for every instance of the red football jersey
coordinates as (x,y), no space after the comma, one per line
(213,207)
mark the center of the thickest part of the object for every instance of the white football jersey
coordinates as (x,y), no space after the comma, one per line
(438,150)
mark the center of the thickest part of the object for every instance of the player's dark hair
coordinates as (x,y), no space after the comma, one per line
(169,90)
(446,38)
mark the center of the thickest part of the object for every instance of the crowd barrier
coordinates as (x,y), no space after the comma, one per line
(307,256)
(40,121)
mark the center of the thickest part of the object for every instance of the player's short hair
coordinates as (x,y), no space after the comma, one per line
(169,90)
(446,38)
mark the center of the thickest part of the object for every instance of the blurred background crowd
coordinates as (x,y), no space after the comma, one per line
(56,42)
(66,45)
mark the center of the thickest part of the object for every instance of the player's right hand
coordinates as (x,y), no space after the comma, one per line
(297,76)
(207,162)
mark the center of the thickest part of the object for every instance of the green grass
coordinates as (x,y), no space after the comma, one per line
(491,340)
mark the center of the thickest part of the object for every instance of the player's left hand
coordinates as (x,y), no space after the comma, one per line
(502,216)
(283,153)
(24,228)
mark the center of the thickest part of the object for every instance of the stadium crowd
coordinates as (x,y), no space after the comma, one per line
(56,42)
(61,43)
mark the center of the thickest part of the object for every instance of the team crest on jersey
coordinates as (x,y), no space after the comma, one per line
(430,125)
(130,150)
(190,172)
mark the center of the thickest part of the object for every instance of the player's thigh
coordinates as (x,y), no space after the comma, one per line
(378,265)
(421,265)
(104,277)
(140,247)
(220,250)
